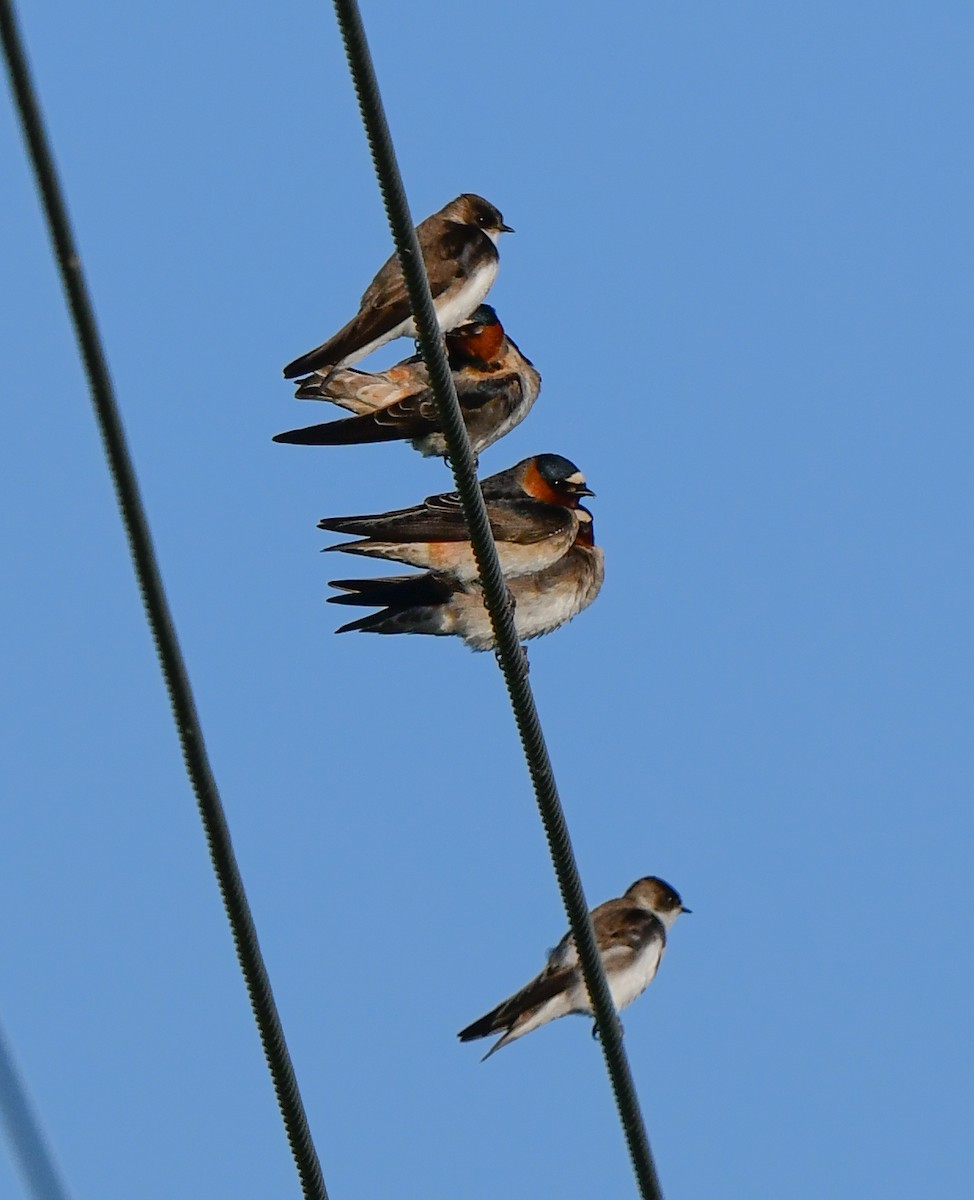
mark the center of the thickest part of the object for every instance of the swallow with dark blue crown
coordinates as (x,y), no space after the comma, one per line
(496,386)
(631,935)
(439,605)
(459,248)
(533,510)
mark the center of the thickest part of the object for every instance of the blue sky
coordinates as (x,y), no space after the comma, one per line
(743,265)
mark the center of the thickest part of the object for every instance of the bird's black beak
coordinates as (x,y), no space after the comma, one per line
(581,489)
(686,910)
(506,229)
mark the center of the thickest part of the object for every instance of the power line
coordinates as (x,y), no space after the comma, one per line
(158,615)
(30,1148)
(509,653)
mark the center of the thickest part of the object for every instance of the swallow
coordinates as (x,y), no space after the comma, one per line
(459,248)
(532,508)
(436,604)
(496,386)
(631,936)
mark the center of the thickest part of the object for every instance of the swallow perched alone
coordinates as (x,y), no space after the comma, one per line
(436,604)
(459,248)
(496,386)
(532,508)
(631,936)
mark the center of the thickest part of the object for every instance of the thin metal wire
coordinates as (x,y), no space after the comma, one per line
(30,1148)
(159,617)
(509,652)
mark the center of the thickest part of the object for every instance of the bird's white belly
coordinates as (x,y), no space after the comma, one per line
(631,981)
(453,307)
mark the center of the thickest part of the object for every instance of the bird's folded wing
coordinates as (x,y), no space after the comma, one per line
(441,519)
(620,926)
(546,985)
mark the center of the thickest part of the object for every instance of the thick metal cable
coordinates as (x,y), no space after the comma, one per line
(159,617)
(509,653)
(27,1141)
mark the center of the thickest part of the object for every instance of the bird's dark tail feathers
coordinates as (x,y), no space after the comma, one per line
(410,603)
(350,431)
(393,591)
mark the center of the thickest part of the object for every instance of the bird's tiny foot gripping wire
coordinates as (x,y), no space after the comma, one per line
(450,464)
(597,1037)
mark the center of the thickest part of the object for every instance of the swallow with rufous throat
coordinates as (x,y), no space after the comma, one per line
(631,936)
(436,604)
(496,386)
(459,248)
(532,508)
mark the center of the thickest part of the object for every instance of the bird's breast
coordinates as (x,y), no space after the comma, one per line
(633,979)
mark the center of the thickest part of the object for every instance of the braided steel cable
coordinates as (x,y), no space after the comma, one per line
(509,652)
(159,617)
(30,1148)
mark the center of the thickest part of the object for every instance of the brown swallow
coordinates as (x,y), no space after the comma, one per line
(631,936)
(459,248)
(533,511)
(436,604)
(496,386)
